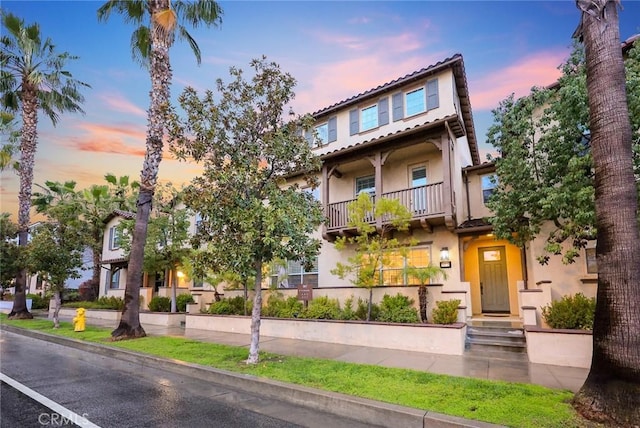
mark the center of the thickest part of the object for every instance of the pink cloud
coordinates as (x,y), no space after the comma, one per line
(110,139)
(119,103)
(539,69)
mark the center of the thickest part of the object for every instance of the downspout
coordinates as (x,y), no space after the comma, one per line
(525,275)
(466,187)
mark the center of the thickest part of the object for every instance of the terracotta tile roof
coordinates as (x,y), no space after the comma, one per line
(117,260)
(119,213)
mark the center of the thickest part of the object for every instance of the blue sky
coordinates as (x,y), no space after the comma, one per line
(334,49)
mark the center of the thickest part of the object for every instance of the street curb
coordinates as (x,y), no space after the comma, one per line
(362,409)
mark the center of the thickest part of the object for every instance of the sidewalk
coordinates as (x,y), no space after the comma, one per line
(558,377)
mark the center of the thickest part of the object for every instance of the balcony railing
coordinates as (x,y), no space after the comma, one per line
(423,202)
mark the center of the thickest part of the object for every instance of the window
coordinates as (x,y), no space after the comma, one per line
(315,192)
(322,134)
(366,184)
(114,278)
(415,101)
(114,238)
(369,117)
(292,273)
(489,184)
(198,282)
(592,263)
(198,222)
(38,283)
(395,263)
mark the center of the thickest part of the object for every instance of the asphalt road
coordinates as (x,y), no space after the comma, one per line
(76,385)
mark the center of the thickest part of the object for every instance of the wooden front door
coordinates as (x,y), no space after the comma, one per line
(494,285)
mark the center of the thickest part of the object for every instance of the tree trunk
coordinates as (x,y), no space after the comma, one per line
(28,144)
(95,277)
(160,73)
(56,310)
(254,348)
(422,301)
(174,297)
(611,393)
(370,304)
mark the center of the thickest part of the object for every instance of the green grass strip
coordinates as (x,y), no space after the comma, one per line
(505,403)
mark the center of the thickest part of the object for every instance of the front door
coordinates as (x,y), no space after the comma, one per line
(494,286)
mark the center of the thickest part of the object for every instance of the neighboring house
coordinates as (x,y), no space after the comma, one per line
(411,139)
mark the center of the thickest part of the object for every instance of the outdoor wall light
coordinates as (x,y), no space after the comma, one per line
(445,261)
(180,274)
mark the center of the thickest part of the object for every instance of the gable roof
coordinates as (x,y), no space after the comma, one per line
(455,63)
(119,213)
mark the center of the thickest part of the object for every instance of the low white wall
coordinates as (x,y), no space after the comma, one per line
(432,338)
(7,305)
(571,348)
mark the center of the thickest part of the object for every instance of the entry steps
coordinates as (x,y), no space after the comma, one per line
(496,339)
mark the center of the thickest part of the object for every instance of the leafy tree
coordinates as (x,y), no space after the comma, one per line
(9,141)
(545,172)
(9,252)
(56,248)
(250,216)
(373,247)
(32,79)
(611,393)
(159,22)
(424,275)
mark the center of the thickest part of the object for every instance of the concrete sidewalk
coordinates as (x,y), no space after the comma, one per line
(506,369)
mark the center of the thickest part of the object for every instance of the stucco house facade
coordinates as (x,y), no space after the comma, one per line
(411,139)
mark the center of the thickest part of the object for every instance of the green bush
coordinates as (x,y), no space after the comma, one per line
(38,302)
(279,307)
(230,306)
(160,304)
(397,309)
(446,311)
(348,313)
(571,312)
(361,310)
(182,300)
(322,308)
(104,302)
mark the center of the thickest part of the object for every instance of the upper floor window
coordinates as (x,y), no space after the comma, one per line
(322,134)
(114,238)
(198,222)
(415,101)
(489,184)
(366,184)
(369,117)
(315,192)
(198,282)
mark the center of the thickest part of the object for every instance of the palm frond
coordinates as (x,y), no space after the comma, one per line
(141,45)
(184,34)
(206,12)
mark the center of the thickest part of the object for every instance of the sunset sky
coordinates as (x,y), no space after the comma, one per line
(334,49)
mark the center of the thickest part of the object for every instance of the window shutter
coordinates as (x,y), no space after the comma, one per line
(354,127)
(432,94)
(383,111)
(398,108)
(333,129)
(111,231)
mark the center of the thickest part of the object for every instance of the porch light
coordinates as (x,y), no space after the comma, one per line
(180,274)
(445,261)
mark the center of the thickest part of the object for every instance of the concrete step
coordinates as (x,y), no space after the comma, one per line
(496,337)
(498,345)
(500,336)
(495,353)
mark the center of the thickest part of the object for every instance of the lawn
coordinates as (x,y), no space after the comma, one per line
(510,404)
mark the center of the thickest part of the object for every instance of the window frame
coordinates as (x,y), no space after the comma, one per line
(491,189)
(318,141)
(114,238)
(371,189)
(424,101)
(299,275)
(401,272)
(590,260)
(374,108)
(114,274)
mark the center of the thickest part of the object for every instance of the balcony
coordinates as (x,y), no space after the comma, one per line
(424,202)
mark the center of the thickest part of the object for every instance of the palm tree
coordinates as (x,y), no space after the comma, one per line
(424,275)
(159,21)
(32,78)
(611,392)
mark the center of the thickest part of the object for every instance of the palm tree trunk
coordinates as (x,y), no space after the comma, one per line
(422,302)
(611,393)
(28,145)
(160,72)
(95,276)
(254,348)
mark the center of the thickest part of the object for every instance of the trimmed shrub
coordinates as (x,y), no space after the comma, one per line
(104,302)
(571,312)
(446,311)
(182,300)
(38,302)
(160,304)
(347,312)
(279,307)
(397,309)
(322,308)
(361,310)
(230,306)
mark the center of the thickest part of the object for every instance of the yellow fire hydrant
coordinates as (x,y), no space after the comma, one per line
(79,320)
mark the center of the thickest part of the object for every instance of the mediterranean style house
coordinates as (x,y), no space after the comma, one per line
(411,139)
